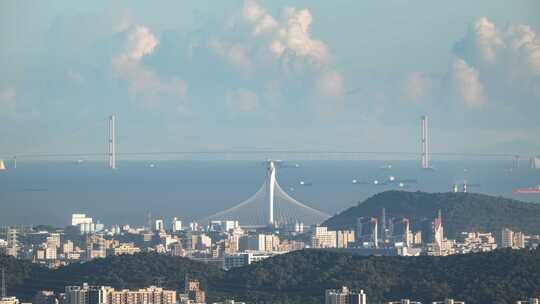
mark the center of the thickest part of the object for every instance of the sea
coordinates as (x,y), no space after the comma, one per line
(48,192)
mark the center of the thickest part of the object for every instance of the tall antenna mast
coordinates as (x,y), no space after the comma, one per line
(149,220)
(4,293)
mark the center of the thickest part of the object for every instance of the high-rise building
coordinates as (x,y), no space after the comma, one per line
(259,242)
(383,225)
(159,226)
(299,227)
(194,291)
(107,295)
(76,294)
(150,295)
(80,218)
(367,231)
(176,225)
(512,239)
(344,296)
(12,243)
(323,238)
(53,240)
(519,240)
(67,247)
(417,238)
(85,224)
(438,232)
(344,238)
(203,242)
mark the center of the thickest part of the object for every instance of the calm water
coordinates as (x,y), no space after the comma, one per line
(49,192)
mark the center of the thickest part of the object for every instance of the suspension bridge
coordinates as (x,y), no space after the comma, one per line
(111,152)
(270,205)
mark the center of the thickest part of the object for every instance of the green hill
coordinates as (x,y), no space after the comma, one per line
(502,276)
(125,271)
(460,211)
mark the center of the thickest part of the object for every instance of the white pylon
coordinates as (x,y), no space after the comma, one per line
(270,185)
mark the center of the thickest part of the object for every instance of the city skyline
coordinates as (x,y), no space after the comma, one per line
(269,151)
(270,75)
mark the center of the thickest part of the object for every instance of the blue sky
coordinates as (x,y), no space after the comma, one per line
(347,75)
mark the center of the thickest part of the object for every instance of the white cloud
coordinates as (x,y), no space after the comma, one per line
(330,89)
(256,14)
(280,50)
(295,36)
(8,100)
(467,84)
(235,54)
(487,39)
(288,36)
(242,101)
(508,56)
(143,83)
(415,87)
(515,46)
(140,42)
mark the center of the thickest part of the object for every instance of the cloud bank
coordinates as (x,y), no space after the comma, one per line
(143,83)
(280,52)
(499,62)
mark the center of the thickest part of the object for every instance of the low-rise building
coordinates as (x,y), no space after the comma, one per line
(244,258)
(404,301)
(126,248)
(448,301)
(9,300)
(529,301)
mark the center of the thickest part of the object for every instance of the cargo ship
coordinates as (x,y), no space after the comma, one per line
(533,190)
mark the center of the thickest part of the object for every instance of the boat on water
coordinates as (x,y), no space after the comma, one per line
(2,165)
(532,190)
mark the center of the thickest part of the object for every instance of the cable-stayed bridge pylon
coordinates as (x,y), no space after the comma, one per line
(271,205)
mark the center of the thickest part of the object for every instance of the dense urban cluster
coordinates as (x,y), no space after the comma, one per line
(228,245)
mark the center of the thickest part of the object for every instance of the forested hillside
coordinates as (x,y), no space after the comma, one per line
(460,212)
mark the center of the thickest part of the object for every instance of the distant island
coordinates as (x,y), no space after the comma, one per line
(460,212)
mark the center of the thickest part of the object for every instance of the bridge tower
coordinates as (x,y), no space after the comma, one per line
(112,142)
(425,142)
(270,185)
